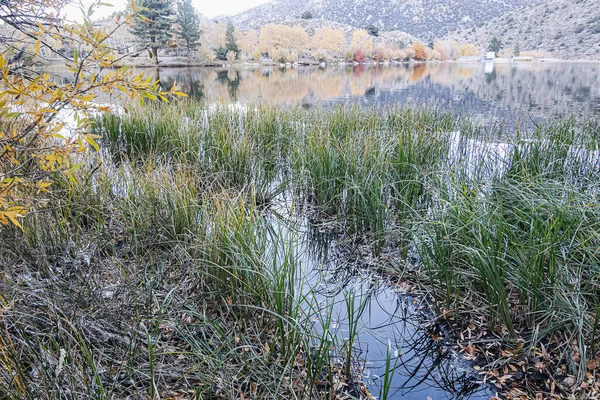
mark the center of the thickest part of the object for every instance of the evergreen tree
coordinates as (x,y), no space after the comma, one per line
(153,25)
(373,30)
(517,50)
(190,26)
(495,45)
(231,42)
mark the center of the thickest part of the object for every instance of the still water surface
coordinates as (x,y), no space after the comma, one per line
(488,93)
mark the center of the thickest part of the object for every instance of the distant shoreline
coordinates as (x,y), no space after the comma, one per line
(196,64)
(180,64)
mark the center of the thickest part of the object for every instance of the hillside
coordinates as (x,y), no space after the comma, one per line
(397,38)
(425,19)
(567,29)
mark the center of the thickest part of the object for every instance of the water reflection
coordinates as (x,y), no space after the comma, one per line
(391,322)
(488,92)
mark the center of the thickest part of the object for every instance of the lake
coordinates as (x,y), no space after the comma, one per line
(487,92)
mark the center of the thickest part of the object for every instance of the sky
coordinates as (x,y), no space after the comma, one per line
(227,7)
(210,8)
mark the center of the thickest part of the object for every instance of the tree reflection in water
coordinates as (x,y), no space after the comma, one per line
(510,91)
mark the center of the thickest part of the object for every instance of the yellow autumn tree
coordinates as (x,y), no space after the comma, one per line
(214,34)
(283,40)
(327,41)
(36,144)
(247,42)
(467,50)
(361,40)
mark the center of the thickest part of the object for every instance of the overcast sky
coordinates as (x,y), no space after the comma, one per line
(227,7)
(210,8)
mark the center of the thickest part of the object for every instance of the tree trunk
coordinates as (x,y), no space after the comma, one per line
(154,50)
(155,54)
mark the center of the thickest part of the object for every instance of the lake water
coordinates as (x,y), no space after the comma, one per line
(486,92)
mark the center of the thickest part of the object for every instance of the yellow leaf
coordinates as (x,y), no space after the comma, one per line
(91,141)
(12,216)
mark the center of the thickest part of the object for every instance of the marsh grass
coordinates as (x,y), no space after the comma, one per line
(151,286)
(509,219)
(159,269)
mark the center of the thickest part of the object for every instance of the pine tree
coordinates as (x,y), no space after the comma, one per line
(231,42)
(190,26)
(495,45)
(153,25)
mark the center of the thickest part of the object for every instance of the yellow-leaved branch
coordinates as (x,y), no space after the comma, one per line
(35,144)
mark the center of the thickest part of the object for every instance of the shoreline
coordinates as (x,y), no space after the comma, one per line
(193,64)
(306,63)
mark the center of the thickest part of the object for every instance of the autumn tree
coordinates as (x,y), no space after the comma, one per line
(247,42)
(153,25)
(213,35)
(189,26)
(467,50)
(282,41)
(362,41)
(447,49)
(36,145)
(420,51)
(328,42)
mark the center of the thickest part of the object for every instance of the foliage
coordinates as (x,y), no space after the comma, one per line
(467,50)
(517,50)
(359,56)
(36,143)
(231,41)
(495,45)
(189,24)
(420,51)
(256,55)
(329,41)
(306,15)
(372,30)
(447,49)
(362,41)
(153,25)
(221,53)
(231,56)
(283,38)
